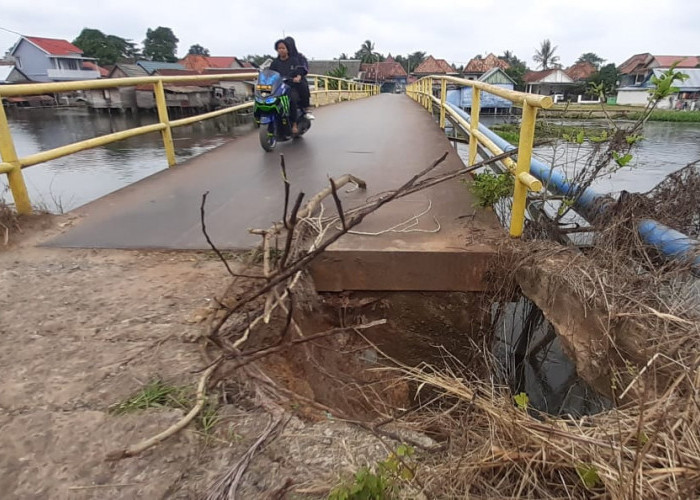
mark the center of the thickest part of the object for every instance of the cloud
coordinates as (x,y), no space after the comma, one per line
(454,30)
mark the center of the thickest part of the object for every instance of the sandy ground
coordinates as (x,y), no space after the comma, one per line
(84,329)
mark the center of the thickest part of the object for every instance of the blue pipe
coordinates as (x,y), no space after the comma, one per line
(590,203)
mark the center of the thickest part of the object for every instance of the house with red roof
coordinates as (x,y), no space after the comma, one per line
(562,84)
(479,66)
(52,60)
(635,80)
(201,63)
(432,66)
(388,73)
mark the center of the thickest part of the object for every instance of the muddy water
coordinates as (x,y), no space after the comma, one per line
(66,183)
(666,148)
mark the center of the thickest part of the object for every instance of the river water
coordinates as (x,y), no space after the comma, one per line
(67,183)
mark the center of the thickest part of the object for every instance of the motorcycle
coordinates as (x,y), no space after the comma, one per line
(271,110)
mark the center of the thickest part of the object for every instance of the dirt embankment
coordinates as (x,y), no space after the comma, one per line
(84,329)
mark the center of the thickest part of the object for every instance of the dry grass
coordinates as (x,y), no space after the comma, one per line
(643,316)
(497,450)
(8,222)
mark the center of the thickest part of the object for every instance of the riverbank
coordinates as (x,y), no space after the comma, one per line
(591,111)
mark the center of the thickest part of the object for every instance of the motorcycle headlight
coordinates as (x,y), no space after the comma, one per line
(269,100)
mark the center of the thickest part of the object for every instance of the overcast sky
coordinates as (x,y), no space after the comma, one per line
(449,29)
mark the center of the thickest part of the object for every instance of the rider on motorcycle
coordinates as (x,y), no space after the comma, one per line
(291,67)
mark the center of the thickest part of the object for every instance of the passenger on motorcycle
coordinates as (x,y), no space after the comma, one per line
(291,67)
(303,85)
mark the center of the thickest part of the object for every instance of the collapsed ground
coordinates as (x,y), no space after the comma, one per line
(82,330)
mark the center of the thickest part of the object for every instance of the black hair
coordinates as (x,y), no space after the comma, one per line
(291,46)
(282,41)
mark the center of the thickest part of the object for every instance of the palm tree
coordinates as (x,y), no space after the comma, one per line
(545,56)
(414,60)
(367,53)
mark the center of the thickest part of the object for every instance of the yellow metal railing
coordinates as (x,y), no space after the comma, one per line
(422,92)
(12,165)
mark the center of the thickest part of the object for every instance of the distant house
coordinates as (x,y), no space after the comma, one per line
(389,74)
(489,102)
(553,82)
(479,66)
(580,72)
(121,98)
(432,66)
(51,60)
(228,92)
(323,67)
(185,96)
(200,63)
(635,80)
(152,66)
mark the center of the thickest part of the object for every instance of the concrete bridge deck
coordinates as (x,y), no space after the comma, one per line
(384,140)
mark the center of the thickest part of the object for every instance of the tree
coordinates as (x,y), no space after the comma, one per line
(414,60)
(107,49)
(516,70)
(367,54)
(160,44)
(545,56)
(607,76)
(591,57)
(198,50)
(343,56)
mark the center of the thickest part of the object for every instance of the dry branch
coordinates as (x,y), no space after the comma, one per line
(174,429)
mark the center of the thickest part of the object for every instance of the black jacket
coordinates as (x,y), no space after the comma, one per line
(291,67)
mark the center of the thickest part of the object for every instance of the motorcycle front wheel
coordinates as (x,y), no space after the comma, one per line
(268,141)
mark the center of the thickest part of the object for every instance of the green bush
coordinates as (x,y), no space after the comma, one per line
(489,187)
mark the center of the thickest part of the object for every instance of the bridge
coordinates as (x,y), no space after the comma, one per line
(382,139)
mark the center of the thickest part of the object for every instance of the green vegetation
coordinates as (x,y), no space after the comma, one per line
(382,484)
(545,55)
(160,44)
(107,49)
(489,188)
(544,130)
(155,394)
(198,50)
(668,116)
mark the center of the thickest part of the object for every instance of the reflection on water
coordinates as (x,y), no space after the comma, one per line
(666,148)
(71,181)
(533,361)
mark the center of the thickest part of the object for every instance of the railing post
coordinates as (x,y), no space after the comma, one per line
(474,125)
(165,120)
(527,137)
(316,96)
(14,176)
(443,99)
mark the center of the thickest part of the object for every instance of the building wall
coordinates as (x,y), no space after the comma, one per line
(104,98)
(127,95)
(463,98)
(145,99)
(635,97)
(32,61)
